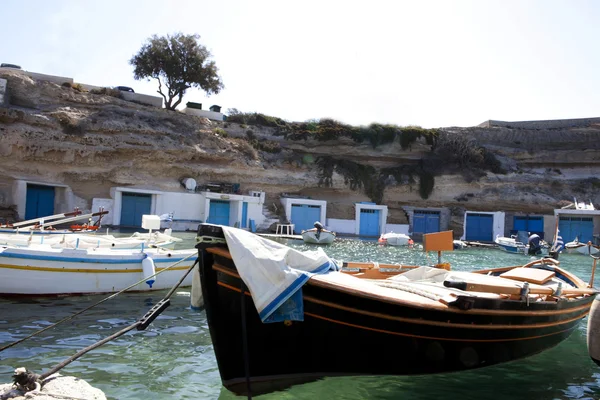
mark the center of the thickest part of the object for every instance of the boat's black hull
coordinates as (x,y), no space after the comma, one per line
(343,334)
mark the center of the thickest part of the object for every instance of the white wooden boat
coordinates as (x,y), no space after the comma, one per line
(314,236)
(577,247)
(44,225)
(43,270)
(87,241)
(395,239)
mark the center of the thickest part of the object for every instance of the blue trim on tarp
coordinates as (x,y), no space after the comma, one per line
(294,310)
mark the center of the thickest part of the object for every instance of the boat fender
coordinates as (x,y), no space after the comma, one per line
(593,331)
(196,301)
(149,269)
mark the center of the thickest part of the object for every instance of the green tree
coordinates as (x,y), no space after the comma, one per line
(178,62)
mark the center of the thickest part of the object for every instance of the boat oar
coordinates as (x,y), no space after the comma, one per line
(514,290)
(369,265)
(591,284)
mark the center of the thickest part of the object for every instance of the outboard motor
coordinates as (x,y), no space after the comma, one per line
(593,331)
(319,227)
(535,246)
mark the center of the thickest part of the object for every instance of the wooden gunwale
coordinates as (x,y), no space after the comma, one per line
(441,307)
(424,322)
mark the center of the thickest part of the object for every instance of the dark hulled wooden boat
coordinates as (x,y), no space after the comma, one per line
(351,330)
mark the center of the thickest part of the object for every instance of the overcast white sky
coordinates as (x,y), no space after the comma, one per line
(427,63)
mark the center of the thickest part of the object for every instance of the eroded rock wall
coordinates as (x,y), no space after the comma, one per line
(56,134)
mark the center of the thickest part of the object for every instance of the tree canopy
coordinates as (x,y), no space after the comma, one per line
(178,62)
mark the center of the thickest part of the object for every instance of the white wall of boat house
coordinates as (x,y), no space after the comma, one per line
(254,199)
(498,223)
(352,226)
(188,209)
(383,213)
(594,214)
(64,200)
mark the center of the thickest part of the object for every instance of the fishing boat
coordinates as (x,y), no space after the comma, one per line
(395,239)
(83,239)
(279,317)
(86,241)
(43,270)
(318,235)
(46,225)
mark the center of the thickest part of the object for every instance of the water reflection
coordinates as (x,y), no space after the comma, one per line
(174,357)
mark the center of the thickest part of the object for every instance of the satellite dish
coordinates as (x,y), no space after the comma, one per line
(189,184)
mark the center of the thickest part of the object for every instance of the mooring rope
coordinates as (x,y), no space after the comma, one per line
(98,303)
(136,324)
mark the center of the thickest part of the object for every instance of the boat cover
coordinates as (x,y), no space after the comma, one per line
(274,273)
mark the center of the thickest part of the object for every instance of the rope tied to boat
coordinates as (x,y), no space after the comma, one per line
(210,240)
(140,324)
(70,317)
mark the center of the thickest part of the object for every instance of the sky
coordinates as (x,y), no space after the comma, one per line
(421,62)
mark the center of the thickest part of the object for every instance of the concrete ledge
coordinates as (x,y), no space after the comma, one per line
(154,101)
(215,116)
(59,80)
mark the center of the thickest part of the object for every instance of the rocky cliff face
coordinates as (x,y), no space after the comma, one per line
(91,142)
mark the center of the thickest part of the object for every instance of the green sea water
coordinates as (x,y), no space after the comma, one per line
(174,357)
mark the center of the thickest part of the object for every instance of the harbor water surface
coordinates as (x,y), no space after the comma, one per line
(174,357)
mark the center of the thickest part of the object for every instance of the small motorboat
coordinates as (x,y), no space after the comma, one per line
(318,235)
(517,244)
(395,239)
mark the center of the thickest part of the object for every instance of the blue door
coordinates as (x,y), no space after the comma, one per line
(480,227)
(304,216)
(527,223)
(133,206)
(39,201)
(369,222)
(219,212)
(245,215)
(576,227)
(426,221)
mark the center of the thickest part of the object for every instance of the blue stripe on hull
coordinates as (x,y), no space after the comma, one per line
(89,260)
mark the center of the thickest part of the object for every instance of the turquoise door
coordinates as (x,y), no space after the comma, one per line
(39,201)
(133,206)
(245,215)
(426,221)
(304,216)
(219,212)
(576,227)
(369,222)
(480,227)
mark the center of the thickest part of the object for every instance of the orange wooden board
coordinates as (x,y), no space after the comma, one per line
(531,275)
(438,241)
